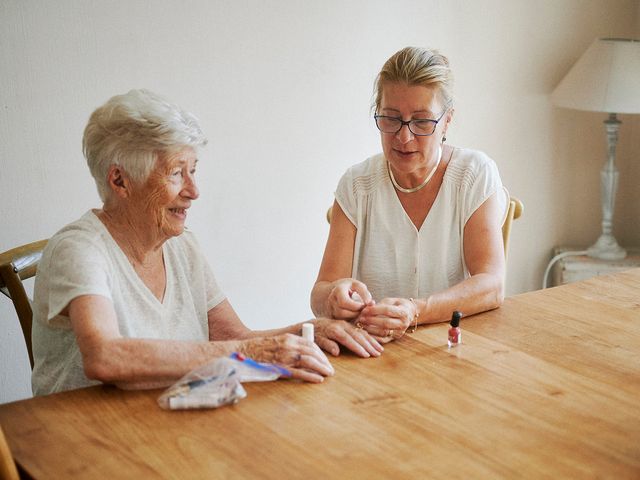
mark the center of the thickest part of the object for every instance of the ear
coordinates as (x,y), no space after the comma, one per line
(449,116)
(447,121)
(118,181)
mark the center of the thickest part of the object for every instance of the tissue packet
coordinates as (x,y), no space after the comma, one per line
(218,383)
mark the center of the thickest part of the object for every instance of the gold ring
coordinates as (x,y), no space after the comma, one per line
(390,333)
(358,325)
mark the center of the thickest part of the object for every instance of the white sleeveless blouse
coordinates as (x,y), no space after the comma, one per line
(391,256)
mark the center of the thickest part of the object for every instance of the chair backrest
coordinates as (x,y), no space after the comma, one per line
(8,468)
(16,265)
(513,212)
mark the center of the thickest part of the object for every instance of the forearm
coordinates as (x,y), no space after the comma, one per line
(319,295)
(146,363)
(295,329)
(478,293)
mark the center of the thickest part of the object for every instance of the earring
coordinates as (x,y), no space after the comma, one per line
(444,138)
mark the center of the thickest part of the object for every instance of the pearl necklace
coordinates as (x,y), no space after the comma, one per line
(423,184)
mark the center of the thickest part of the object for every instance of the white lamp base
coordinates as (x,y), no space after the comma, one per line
(606,248)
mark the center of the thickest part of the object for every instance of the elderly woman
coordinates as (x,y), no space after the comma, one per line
(416,230)
(124,295)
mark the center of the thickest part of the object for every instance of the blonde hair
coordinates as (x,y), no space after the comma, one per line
(132,131)
(416,66)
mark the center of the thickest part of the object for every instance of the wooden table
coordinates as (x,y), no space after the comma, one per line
(548,386)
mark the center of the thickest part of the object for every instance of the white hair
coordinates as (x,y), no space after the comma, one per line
(132,131)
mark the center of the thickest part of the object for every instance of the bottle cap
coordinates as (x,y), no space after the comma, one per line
(455,319)
(307,331)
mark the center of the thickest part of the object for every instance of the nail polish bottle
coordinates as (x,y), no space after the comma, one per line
(455,335)
(307,332)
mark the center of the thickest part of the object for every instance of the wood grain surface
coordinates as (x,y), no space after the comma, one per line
(547,386)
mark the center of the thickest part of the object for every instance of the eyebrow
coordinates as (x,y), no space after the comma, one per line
(428,112)
(180,163)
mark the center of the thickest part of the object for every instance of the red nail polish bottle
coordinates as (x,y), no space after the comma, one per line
(455,335)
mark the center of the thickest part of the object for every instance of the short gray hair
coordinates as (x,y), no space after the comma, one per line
(132,131)
(416,66)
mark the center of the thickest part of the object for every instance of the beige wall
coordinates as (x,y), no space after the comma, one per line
(629,207)
(283,91)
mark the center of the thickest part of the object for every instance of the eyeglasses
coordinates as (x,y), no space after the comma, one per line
(420,127)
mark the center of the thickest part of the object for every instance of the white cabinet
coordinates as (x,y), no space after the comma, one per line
(580,267)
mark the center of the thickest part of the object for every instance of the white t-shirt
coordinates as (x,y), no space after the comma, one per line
(391,256)
(83,259)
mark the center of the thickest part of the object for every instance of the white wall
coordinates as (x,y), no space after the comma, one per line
(283,90)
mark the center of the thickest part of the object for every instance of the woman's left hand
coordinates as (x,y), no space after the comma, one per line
(388,319)
(330,334)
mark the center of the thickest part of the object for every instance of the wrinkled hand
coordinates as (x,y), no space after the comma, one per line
(330,334)
(388,319)
(302,358)
(347,298)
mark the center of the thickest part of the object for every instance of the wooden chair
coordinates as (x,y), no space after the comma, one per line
(513,212)
(8,470)
(17,265)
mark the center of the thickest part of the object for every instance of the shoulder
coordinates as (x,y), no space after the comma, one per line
(78,250)
(467,165)
(365,177)
(85,234)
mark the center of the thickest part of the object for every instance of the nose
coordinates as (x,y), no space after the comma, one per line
(190,189)
(404,134)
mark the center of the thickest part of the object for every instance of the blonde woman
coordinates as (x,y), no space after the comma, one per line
(416,230)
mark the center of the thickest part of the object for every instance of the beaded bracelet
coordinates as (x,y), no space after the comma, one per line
(415,319)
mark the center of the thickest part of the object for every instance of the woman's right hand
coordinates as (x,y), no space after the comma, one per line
(347,298)
(302,358)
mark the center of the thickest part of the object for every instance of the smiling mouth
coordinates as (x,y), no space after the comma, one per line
(178,211)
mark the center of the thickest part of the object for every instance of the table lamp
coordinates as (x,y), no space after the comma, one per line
(606,78)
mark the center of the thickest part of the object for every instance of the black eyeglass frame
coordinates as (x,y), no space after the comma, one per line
(408,123)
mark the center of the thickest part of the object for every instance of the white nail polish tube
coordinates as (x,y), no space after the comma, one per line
(307,331)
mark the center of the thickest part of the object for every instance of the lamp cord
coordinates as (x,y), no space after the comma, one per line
(555,259)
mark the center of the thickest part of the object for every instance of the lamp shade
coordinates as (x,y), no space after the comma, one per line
(605,79)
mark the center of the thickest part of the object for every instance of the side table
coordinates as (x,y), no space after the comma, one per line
(580,267)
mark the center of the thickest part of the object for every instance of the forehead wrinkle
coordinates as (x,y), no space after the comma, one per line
(177,160)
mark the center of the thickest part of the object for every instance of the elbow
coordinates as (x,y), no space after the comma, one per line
(97,366)
(498,293)
(493,295)
(95,371)
(499,299)
(314,303)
